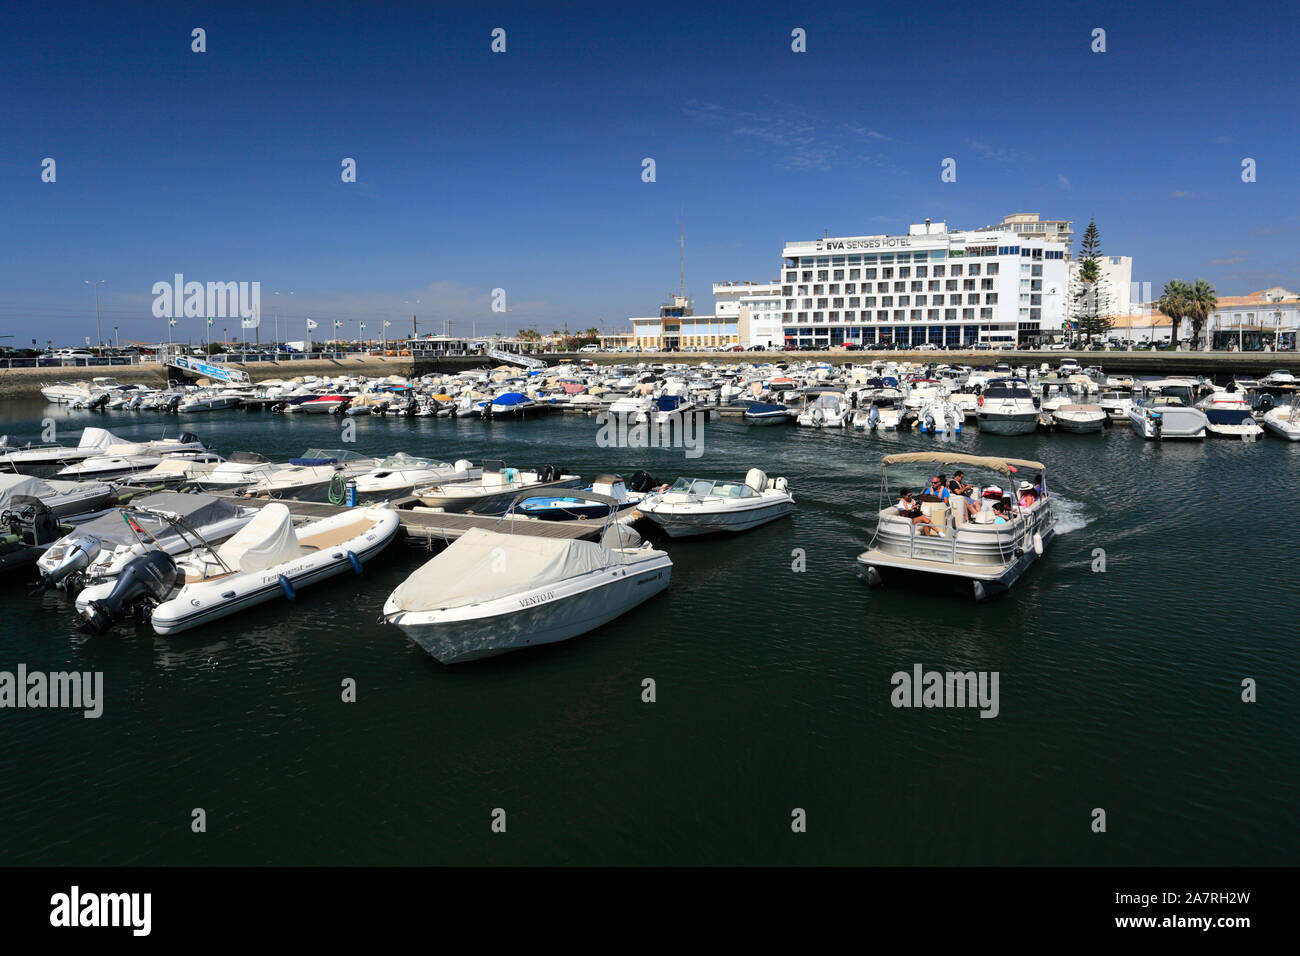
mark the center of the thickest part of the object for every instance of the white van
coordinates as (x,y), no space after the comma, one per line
(590,348)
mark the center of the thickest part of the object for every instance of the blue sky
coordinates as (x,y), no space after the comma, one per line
(522,170)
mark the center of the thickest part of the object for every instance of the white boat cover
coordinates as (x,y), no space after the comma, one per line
(484,565)
(97,438)
(11,486)
(264,542)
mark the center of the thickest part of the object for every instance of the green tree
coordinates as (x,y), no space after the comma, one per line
(1201,301)
(1175,302)
(1090,298)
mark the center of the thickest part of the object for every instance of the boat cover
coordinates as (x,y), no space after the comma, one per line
(199,511)
(1228,416)
(97,438)
(483,565)
(12,486)
(267,540)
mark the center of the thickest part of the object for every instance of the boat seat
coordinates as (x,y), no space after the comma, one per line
(936,511)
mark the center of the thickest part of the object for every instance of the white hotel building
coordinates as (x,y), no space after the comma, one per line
(929,286)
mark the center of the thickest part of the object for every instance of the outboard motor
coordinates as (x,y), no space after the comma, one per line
(642,482)
(188,438)
(76,559)
(99,402)
(174,404)
(141,585)
(31,520)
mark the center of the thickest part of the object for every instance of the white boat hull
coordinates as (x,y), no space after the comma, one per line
(681,522)
(532,618)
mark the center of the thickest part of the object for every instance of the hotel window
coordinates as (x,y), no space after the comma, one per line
(956,269)
(869,301)
(806,303)
(900,286)
(886,257)
(1024,298)
(920,300)
(834,289)
(821,303)
(933,285)
(922,271)
(938,271)
(950,285)
(887,300)
(855,260)
(803,316)
(791,276)
(837,303)
(973,298)
(850,288)
(818,316)
(932,315)
(866,316)
(850,316)
(905,272)
(1038,253)
(1024,313)
(822,274)
(823,260)
(918,286)
(1036,285)
(839,276)
(949,314)
(954,299)
(990,298)
(834,317)
(837,261)
(868,273)
(854,301)
(986,314)
(819,290)
(967,284)
(1035,270)
(904,300)
(974,269)
(789,304)
(806,277)
(1024,268)
(986,283)
(968,313)
(898,315)
(855,274)
(1035,314)
(803,290)
(1024,284)
(887,273)
(867,259)
(787,290)
(915,315)
(1035,300)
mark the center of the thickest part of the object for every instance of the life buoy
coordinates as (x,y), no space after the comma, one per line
(981,401)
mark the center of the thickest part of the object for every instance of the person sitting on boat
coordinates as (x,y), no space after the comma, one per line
(1028,497)
(938,488)
(909,508)
(1002,512)
(1039,490)
(957,484)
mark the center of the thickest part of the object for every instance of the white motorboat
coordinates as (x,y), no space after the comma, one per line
(315,404)
(827,410)
(1116,403)
(1164,417)
(238,471)
(178,471)
(1007,407)
(25,458)
(209,400)
(665,409)
(1279,376)
(398,474)
(991,556)
(95,548)
(1284,421)
(694,506)
(495,489)
(266,559)
(1232,420)
(63,499)
(321,474)
(128,457)
(1080,419)
(80,393)
(940,416)
(632,406)
(489,593)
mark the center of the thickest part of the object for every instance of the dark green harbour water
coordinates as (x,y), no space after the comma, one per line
(1119,690)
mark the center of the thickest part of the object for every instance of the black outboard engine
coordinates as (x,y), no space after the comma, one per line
(188,438)
(174,404)
(278,408)
(642,482)
(141,586)
(99,402)
(31,520)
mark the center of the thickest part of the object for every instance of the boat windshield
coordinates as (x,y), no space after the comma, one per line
(405,461)
(705,488)
(1010,388)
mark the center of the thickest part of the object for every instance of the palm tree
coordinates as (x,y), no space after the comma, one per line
(1201,301)
(1173,302)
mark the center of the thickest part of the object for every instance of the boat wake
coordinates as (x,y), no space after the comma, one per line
(1071,515)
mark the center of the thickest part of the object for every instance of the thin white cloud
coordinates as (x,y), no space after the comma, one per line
(1063,182)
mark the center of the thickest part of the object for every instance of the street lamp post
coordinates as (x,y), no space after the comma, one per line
(99,338)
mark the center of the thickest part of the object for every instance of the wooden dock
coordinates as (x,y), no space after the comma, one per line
(428,527)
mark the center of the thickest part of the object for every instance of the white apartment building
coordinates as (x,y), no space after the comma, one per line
(754,307)
(1027,225)
(929,286)
(1116,278)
